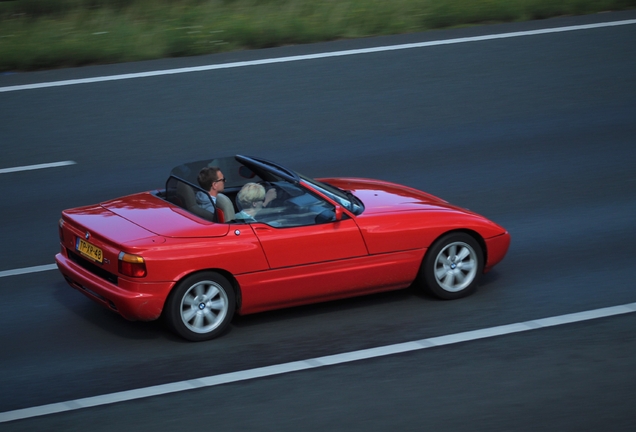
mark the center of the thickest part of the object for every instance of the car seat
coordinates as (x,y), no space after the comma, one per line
(224,204)
(185,193)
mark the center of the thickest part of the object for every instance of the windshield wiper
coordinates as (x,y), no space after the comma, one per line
(354,200)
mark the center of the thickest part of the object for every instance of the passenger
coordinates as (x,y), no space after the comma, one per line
(252,198)
(211,179)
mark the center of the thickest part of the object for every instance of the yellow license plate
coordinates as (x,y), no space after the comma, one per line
(89,250)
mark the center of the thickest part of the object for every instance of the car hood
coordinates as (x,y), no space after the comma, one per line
(384,197)
(162,218)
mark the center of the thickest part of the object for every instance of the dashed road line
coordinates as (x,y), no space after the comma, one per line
(37,167)
(26,270)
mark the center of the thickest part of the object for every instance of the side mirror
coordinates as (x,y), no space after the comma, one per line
(338,211)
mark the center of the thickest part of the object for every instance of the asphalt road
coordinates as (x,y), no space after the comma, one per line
(538,133)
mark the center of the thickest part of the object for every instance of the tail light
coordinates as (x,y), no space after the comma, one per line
(131,265)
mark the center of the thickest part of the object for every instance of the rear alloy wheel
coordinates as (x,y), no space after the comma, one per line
(201,306)
(452,266)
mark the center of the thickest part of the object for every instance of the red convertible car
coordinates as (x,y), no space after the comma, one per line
(169,253)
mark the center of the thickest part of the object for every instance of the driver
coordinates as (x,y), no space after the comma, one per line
(252,198)
(211,179)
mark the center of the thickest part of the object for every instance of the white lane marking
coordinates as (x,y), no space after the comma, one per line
(335,359)
(26,270)
(36,167)
(315,56)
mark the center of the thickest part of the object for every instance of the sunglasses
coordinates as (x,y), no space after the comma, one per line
(219,180)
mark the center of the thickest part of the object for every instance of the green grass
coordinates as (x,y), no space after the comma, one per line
(39,34)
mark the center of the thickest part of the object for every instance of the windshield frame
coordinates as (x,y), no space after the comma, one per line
(344,198)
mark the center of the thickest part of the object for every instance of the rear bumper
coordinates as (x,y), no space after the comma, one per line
(132,300)
(496,248)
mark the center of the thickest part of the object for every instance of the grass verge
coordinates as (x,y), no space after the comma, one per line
(41,34)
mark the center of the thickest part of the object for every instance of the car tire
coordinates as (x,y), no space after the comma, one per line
(452,266)
(201,306)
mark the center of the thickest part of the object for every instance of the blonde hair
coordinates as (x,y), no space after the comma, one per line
(249,194)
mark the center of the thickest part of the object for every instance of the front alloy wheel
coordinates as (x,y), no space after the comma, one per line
(201,306)
(452,266)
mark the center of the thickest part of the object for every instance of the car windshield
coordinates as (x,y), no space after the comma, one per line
(342,197)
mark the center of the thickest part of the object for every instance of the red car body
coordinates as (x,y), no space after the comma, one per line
(378,245)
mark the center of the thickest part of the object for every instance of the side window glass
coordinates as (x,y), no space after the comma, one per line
(295,206)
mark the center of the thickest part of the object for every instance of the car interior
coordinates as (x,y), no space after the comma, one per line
(294,205)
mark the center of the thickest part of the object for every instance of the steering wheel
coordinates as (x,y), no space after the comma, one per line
(281,194)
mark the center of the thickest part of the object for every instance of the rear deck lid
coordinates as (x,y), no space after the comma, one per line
(160,217)
(97,220)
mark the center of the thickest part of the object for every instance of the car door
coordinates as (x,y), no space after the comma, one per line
(301,229)
(287,247)
(307,250)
